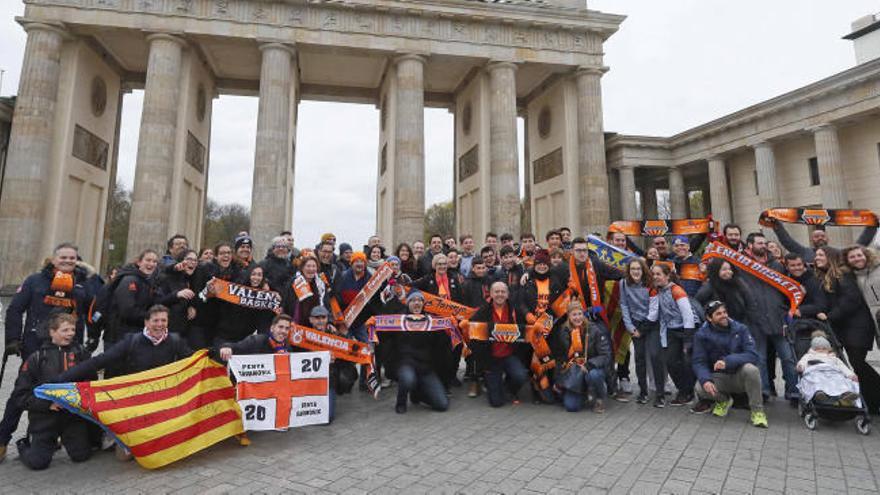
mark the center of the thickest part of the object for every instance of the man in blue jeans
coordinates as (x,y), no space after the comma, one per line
(504,362)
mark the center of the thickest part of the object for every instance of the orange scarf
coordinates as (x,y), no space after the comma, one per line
(656,228)
(61,291)
(574,283)
(841,218)
(442,285)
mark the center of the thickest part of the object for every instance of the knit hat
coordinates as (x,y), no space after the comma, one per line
(326,237)
(542,256)
(415,295)
(242,240)
(393,258)
(344,247)
(318,311)
(680,239)
(820,343)
(359,255)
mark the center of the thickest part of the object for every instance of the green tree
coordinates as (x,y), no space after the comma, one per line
(118,214)
(440,219)
(222,222)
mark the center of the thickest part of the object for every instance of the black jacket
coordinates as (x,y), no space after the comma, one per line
(133,354)
(814,301)
(133,296)
(808,253)
(208,312)
(171,282)
(28,300)
(481,350)
(277,271)
(43,366)
(426,352)
(849,315)
(475,291)
(529,292)
(736,296)
(428,284)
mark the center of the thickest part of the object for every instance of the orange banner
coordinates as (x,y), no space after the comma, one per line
(363,297)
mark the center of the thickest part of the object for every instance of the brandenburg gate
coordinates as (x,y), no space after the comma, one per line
(487,62)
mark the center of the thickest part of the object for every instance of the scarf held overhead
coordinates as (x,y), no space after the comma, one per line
(789,287)
(806,216)
(242,295)
(437,306)
(656,228)
(408,323)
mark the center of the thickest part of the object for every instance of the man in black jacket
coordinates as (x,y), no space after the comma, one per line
(277,269)
(59,287)
(47,421)
(815,303)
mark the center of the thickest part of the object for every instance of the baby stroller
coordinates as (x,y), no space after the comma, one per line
(800,335)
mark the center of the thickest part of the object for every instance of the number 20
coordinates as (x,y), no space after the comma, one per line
(311,365)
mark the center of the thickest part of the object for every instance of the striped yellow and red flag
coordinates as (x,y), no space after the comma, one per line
(161,415)
(620,338)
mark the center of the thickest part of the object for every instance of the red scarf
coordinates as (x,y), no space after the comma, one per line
(501,350)
(442,285)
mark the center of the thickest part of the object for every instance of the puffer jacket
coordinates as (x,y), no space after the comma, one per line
(734,345)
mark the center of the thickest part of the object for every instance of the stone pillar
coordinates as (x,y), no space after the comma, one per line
(677,194)
(832,179)
(765,166)
(151,195)
(719,195)
(28,164)
(409,150)
(269,203)
(591,152)
(649,202)
(628,193)
(503,162)
(528,223)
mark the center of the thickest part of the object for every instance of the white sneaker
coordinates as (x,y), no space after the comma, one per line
(107,442)
(625,386)
(386,382)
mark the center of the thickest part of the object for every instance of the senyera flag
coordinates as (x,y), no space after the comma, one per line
(161,415)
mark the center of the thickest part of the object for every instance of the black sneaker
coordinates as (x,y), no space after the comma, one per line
(660,402)
(400,408)
(642,398)
(455,382)
(681,400)
(702,407)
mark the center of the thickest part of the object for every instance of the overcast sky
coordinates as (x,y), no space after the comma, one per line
(674,65)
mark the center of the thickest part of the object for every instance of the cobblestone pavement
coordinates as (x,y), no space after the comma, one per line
(516,449)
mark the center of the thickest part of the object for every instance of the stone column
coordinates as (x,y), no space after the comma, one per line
(627,193)
(591,152)
(503,161)
(271,157)
(677,194)
(649,202)
(154,170)
(409,150)
(832,179)
(765,166)
(719,195)
(28,163)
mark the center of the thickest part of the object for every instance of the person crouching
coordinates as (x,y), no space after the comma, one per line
(417,358)
(46,420)
(584,361)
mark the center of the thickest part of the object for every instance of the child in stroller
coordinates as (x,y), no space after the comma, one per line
(825,377)
(827,386)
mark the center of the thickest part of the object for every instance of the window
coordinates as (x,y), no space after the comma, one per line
(756,182)
(814,171)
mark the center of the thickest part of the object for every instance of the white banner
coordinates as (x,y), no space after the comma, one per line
(280,391)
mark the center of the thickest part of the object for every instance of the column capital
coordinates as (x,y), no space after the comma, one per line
(403,57)
(715,158)
(494,65)
(55,27)
(591,71)
(626,167)
(153,36)
(825,126)
(762,145)
(277,45)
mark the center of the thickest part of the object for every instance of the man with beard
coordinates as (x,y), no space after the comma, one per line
(818,238)
(733,236)
(768,323)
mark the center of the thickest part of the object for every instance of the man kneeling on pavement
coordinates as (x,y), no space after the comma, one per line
(725,362)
